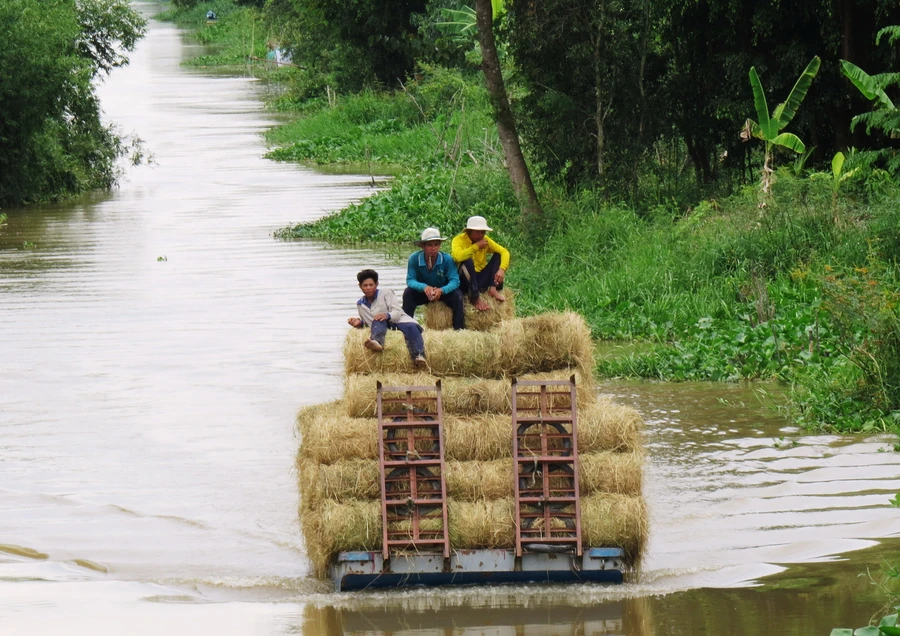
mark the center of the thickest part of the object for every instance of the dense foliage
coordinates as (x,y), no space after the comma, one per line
(52,141)
(612,85)
(659,235)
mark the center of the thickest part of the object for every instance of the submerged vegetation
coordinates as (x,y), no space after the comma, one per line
(654,225)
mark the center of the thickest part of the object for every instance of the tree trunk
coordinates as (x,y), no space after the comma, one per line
(506,124)
(601,107)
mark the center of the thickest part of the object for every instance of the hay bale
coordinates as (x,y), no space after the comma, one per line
(546,342)
(481,524)
(606,520)
(460,396)
(611,473)
(336,437)
(449,353)
(599,472)
(336,527)
(330,435)
(439,317)
(603,472)
(523,345)
(341,481)
(616,520)
(606,425)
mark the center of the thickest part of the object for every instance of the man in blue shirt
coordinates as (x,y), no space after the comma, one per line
(431,275)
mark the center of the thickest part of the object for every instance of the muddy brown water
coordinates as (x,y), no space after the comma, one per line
(156,342)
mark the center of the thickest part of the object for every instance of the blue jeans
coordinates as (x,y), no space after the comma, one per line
(411,331)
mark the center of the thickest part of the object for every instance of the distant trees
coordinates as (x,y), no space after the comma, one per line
(621,94)
(360,41)
(608,82)
(52,142)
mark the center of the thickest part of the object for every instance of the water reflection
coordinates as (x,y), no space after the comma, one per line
(810,598)
(499,615)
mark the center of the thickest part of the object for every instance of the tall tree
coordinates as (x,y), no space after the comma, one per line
(519,174)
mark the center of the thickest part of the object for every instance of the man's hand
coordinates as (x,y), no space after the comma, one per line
(499,276)
(482,244)
(354,322)
(433,293)
(381,316)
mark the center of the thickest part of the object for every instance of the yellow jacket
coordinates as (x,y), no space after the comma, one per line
(462,249)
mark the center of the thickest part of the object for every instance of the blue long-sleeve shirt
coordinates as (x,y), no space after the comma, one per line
(444,273)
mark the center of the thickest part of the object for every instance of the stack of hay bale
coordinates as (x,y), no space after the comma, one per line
(338,457)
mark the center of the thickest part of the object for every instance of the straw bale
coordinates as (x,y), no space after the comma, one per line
(545,342)
(606,425)
(439,317)
(481,524)
(606,520)
(449,353)
(471,481)
(329,435)
(342,481)
(460,396)
(606,472)
(335,527)
(602,472)
(616,520)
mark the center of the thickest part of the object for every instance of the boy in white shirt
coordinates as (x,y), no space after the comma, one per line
(379,310)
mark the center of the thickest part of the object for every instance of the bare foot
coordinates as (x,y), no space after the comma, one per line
(500,298)
(480,305)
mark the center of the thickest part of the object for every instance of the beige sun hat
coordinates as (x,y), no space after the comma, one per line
(477,223)
(430,234)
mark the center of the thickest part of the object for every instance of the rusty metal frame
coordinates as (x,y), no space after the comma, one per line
(411,459)
(558,504)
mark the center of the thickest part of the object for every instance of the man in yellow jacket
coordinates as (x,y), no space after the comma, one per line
(477,273)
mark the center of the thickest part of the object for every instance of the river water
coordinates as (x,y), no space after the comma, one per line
(156,343)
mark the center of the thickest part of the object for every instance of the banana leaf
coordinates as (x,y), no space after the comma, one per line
(786,111)
(768,126)
(837,165)
(866,85)
(790,141)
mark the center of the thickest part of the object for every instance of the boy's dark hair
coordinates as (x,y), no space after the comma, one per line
(367,273)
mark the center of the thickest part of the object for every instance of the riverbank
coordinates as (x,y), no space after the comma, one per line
(803,291)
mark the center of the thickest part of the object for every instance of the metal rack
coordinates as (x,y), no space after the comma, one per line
(411,458)
(545,452)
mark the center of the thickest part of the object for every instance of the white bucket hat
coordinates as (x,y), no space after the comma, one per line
(477,223)
(430,234)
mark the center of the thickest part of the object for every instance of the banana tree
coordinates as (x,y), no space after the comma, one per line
(885,115)
(463,22)
(769,127)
